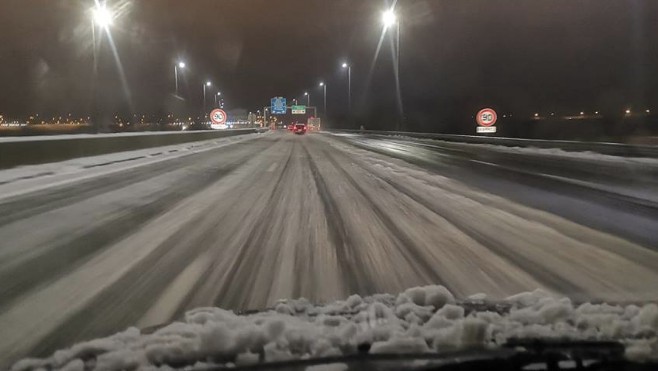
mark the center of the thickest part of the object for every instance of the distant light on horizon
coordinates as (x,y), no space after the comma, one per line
(628,111)
(536,114)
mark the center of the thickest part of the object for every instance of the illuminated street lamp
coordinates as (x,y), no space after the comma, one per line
(102,16)
(389,18)
(207,84)
(349,85)
(178,65)
(324,87)
(628,111)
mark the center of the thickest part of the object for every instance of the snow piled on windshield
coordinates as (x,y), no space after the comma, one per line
(421,319)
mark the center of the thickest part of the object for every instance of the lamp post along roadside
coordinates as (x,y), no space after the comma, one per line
(349,86)
(389,18)
(324,88)
(101,17)
(206,84)
(178,65)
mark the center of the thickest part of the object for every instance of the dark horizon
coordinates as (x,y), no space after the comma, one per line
(456,57)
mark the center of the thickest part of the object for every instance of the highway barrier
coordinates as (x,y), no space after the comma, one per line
(613,149)
(17,151)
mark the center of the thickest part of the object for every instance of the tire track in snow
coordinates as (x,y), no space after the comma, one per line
(225,248)
(404,243)
(140,286)
(547,277)
(640,254)
(39,202)
(340,240)
(65,256)
(249,257)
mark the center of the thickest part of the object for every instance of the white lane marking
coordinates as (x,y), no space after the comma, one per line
(165,307)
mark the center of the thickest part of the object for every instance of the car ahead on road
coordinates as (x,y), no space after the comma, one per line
(291,127)
(300,129)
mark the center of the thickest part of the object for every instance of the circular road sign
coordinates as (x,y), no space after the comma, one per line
(486,117)
(218,116)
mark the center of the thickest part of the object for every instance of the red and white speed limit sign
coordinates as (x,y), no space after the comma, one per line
(486,117)
(218,116)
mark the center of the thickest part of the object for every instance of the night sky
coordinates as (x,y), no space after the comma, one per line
(518,56)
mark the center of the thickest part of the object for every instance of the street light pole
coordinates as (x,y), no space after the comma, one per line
(389,19)
(93,41)
(324,86)
(101,17)
(178,65)
(308,98)
(397,70)
(349,86)
(204,95)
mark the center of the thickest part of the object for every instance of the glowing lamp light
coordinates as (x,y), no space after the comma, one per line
(102,16)
(389,18)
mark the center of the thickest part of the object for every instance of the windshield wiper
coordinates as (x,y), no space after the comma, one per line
(516,354)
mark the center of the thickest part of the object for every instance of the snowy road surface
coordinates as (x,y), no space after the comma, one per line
(275,215)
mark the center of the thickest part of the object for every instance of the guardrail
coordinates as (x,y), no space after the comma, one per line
(17,151)
(613,149)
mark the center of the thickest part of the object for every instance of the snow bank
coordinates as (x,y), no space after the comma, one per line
(421,319)
(556,153)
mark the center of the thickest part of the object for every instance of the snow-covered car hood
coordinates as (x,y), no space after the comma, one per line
(420,320)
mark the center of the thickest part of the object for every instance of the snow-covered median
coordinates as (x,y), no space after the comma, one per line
(421,319)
